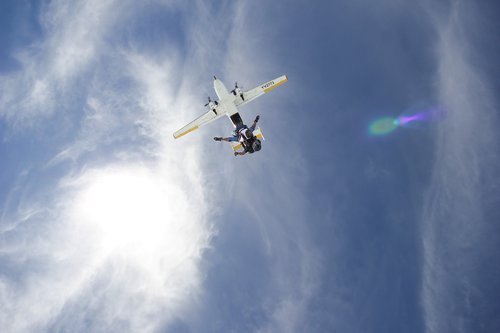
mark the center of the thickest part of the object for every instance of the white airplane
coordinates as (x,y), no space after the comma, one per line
(228,104)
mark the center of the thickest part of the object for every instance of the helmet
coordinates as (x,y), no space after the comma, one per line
(248,134)
(256,145)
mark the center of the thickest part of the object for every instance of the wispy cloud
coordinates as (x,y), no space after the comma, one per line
(454,223)
(276,204)
(117,237)
(113,239)
(73,35)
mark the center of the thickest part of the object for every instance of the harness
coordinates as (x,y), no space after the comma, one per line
(246,142)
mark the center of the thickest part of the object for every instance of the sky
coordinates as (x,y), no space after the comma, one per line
(108,224)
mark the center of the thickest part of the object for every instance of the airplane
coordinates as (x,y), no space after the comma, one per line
(228,104)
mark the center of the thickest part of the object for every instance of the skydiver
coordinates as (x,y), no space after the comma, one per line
(244,135)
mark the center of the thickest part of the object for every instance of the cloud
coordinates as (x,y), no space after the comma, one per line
(114,236)
(112,230)
(455,225)
(269,191)
(124,244)
(50,67)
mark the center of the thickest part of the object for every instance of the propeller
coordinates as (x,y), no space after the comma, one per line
(235,88)
(209,100)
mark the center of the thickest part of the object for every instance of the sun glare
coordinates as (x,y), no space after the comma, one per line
(138,230)
(132,210)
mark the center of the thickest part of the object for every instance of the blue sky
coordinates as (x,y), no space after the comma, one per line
(108,224)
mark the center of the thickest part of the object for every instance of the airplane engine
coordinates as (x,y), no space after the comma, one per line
(237,91)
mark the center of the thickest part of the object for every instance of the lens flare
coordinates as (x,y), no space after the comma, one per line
(386,125)
(383,126)
(423,116)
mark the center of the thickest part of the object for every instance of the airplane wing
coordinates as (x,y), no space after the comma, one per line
(252,94)
(204,119)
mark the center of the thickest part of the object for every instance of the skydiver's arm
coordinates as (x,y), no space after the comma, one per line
(252,128)
(236,153)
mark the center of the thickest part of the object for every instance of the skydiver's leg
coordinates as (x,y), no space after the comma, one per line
(228,139)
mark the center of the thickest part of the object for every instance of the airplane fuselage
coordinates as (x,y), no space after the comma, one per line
(226,99)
